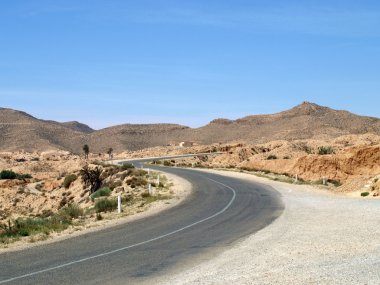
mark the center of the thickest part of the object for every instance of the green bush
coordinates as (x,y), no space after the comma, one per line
(68,180)
(167,163)
(29,226)
(73,211)
(102,192)
(127,166)
(324,150)
(45,224)
(272,157)
(105,205)
(286,157)
(364,194)
(8,174)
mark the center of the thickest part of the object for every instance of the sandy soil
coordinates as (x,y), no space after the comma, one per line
(181,189)
(321,238)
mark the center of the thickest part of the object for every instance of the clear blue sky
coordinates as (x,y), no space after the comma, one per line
(110,62)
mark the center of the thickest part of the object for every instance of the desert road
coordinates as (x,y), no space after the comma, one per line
(219,212)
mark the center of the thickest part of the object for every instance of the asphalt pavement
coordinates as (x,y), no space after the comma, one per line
(219,212)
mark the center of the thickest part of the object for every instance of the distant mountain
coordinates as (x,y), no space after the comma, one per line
(305,121)
(20,130)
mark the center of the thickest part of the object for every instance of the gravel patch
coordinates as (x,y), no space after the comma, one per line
(321,238)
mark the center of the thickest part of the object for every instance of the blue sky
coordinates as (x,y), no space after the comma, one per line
(111,62)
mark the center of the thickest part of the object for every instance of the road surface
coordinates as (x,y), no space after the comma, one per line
(219,212)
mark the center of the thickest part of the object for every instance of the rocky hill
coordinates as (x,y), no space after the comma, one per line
(21,131)
(76,126)
(306,121)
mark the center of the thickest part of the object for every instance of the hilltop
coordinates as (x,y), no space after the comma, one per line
(21,131)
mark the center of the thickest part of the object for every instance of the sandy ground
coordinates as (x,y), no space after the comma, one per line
(321,238)
(181,189)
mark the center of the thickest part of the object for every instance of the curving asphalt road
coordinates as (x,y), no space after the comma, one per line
(220,211)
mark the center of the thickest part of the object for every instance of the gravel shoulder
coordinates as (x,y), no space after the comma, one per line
(321,238)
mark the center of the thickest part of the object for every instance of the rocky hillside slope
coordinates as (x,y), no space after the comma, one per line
(306,121)
(353,161)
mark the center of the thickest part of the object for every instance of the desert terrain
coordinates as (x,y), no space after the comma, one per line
(309,144)
(347,164)
(49,193)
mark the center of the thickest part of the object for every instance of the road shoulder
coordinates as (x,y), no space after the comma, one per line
(321,238)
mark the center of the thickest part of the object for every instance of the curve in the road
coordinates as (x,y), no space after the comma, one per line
(130,246)
(213,217)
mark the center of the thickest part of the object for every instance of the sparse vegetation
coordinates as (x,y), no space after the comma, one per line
(137,182)
(102,192)
(112,185)
(68,180)
(9,174)
(306,148)
(105,205)
(50,208)
(324,150)
(46,224)
(272,157)
(127,166)
(334,182)
(73,211)
(152,198)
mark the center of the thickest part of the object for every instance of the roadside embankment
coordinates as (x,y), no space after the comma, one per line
(179,190)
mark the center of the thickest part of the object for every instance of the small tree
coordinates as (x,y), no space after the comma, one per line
(86,150)
(91,177)
(109,152)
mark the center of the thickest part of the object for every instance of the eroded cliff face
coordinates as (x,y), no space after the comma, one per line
(358,161)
